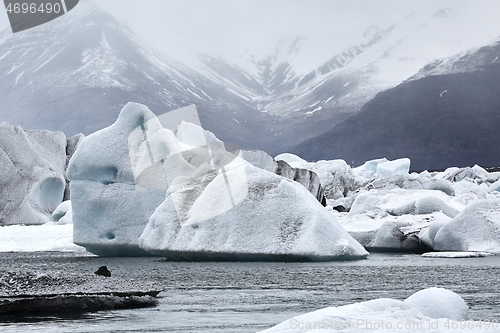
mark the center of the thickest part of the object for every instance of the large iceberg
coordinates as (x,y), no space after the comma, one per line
(246,213)
(429,310)
(139,188)
(110,210)
(32,174)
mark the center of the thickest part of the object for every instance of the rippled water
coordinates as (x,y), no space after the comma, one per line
(248,297)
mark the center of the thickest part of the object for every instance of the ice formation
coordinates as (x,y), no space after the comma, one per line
(260,159)
(188,195)
(429,310)
(32,174)
(393,168)
(456,254)
(272,218)
(63,213)
(474,229)
(307,178)
(110,210)
(336,177)
(439,303)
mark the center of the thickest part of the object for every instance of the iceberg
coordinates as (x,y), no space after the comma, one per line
(110,210)
(397,219)
(32,174)
(63,213)
(306,178)
(270,218)
(411,183)
(429,310)
(336,177)
(474,229)
(259,159)
(138,188)
(392,168)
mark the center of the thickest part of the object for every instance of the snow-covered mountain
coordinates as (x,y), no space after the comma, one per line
(75,73)
(447,114)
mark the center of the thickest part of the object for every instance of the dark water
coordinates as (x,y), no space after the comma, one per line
(248,297)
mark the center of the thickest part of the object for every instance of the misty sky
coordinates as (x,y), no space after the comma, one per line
(224,25)
(228,25)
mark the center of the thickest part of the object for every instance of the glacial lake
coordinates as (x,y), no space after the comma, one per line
(252,296)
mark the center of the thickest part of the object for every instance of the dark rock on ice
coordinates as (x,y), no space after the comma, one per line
(340,209)
(103,271)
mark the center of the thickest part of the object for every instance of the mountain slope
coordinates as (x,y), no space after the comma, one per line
(447,114)
(74,74)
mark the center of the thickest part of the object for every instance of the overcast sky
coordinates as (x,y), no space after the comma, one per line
(220,24)
(225,25)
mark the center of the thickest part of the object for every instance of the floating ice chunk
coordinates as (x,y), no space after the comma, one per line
(456,254)
(476,228)
(293,160)
(466,189)
(475,174)
(425,174)
(369,168)
(393,236)
(391,168)
(63,213)
(429,310)
(445,174)
(260,159)
(390,220)
(431,204)
(495,186)
(336,177)
(370,204)
(193,135)
(306,178)
(411,183)
(439,303)
(434,228)
(278,219)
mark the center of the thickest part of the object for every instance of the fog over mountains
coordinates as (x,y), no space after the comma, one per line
(287,91)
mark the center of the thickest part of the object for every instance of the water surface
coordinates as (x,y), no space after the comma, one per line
(248,297)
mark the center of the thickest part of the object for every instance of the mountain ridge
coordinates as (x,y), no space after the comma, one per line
(74,74)
(440,117)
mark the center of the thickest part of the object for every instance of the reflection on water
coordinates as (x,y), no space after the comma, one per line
(247,297)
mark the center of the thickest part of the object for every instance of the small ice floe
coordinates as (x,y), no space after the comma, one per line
(456,254)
